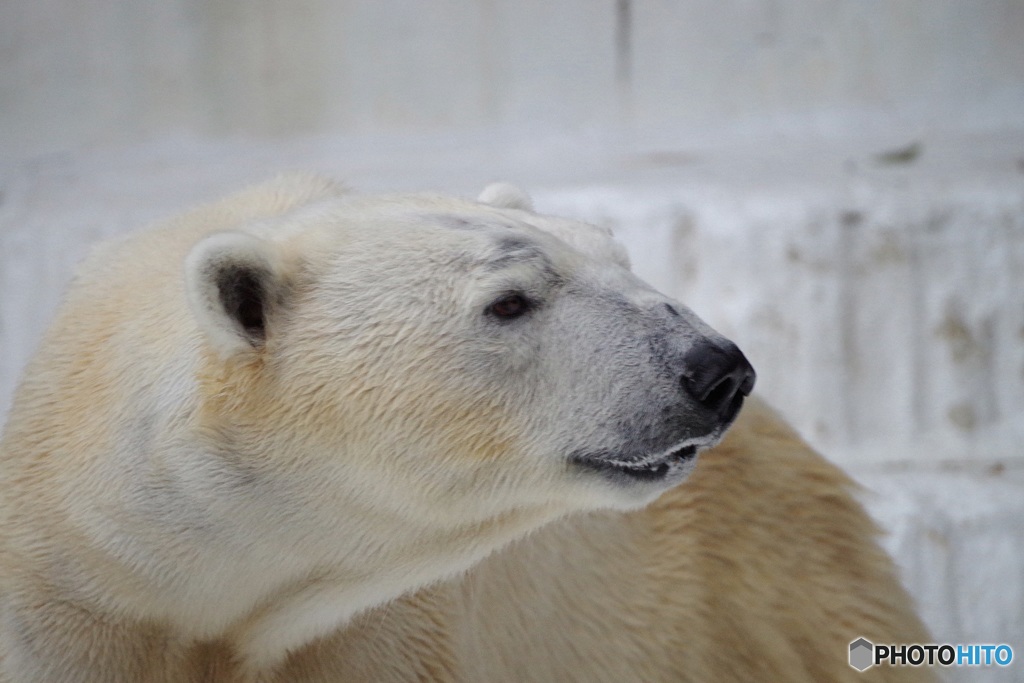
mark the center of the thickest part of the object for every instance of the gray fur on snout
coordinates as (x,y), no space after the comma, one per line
(624,373)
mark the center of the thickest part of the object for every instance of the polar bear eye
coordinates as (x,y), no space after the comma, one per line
(509,306)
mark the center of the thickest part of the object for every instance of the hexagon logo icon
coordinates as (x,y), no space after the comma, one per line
(862,654)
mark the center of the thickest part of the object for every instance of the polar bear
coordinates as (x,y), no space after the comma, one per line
(306,435)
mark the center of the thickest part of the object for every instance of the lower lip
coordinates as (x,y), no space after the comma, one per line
(645,474)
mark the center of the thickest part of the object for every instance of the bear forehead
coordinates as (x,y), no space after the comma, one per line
(525,232)
(413,223)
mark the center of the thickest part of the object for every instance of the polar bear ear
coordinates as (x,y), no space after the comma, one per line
(505,196)
(232,281)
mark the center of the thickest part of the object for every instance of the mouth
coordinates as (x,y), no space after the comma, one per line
(673,464)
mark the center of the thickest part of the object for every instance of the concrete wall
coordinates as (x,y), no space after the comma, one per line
(81,72)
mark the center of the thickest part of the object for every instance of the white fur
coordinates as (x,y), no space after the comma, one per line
(506,196)
(390,433)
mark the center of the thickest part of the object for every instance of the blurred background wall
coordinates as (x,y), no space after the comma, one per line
(836,184)
(101,71)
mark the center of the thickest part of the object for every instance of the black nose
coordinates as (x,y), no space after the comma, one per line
(716,373)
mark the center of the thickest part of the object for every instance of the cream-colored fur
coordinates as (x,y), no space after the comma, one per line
(366,481)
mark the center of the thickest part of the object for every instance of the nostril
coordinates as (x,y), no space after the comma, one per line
(715,374)
(720,393)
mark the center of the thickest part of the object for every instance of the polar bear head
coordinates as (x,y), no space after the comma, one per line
(456,359)
(342,398)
